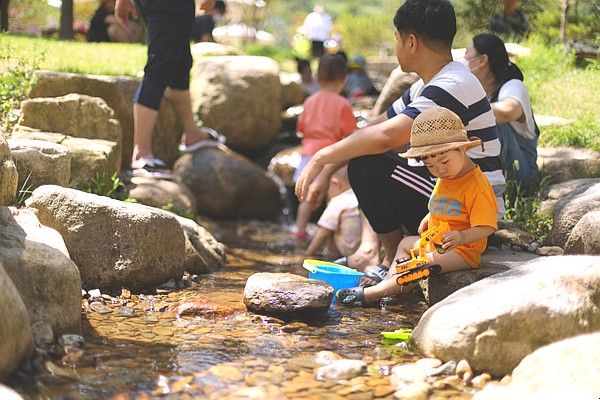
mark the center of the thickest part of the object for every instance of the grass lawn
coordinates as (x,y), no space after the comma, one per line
(558,88)
(89,58)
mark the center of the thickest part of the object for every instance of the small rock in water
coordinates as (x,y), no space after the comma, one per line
(414,391)
(429,363)
(126,312)
(406,374)
(532,248)
(125,293)
(327,357)
(466,378)
(149,319)
(481,380)
(446,369)
(341,369)
(94,293)
(463,367)
(99,307)
(70,340)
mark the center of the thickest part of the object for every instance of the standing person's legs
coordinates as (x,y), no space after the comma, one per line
(391,194)
(169,27)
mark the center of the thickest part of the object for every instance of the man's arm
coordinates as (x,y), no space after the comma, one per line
(375,139)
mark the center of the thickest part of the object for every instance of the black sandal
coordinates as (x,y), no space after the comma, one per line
(377,273)
(353,297)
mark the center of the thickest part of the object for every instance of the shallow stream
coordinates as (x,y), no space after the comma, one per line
(141,346)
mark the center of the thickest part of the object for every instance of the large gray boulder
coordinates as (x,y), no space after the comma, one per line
(36,259)
(114,244)
(9,178)
(585,236)
(496,322)
(286,294)
(239,96)
(398,82)
(228,185)
(567,369)
(75,115)
(570,209)
(567,163)
(90,158)
(41,163)
(117,92)
(16,341)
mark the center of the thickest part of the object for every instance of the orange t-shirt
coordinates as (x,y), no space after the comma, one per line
(464,203)
(327,118)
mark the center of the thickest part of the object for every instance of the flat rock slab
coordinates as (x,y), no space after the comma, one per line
(496,322)
(493,262)
(566,163)
(285,294)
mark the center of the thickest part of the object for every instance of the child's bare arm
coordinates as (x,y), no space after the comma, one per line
(455,238)
(318,241)
(424,224)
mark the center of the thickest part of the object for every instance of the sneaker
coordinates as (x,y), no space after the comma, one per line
(214,140)
(150,167)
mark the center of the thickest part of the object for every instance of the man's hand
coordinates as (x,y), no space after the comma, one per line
(310,172)
(206,5)
(452,239)
(123,8)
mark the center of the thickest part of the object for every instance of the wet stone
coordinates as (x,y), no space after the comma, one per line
(126,312)
(448,368)
(99,307)
(226,372)
(341,369)
(383,390)
(463,367)
(70,340)
(148,319)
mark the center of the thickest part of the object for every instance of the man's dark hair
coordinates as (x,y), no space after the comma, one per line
(332,67)
(220,6)
(302,65)
(432,21)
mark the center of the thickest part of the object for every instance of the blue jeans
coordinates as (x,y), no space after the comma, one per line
(519,156)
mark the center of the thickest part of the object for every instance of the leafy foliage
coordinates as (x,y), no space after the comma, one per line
(524,209)
(102,185)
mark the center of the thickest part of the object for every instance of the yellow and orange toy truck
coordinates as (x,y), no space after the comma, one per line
(417,267)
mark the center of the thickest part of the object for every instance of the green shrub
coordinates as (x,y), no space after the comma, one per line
(102,185)
(524,209)
(278,53)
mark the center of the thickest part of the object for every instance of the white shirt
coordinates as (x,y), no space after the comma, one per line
(515,89)
(317,26)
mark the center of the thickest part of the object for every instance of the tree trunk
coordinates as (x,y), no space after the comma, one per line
(4,15)
(66,20)
(563,21)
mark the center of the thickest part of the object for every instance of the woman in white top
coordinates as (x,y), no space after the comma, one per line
(503,83)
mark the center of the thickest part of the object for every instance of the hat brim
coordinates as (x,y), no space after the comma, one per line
(423,151)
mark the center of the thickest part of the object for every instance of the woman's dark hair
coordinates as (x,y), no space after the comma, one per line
(430,20)
(501,67)
(332,67)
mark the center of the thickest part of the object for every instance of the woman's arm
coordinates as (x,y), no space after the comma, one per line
(508,110)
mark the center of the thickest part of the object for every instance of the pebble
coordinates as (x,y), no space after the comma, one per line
(99,307)
(429,363)
(463,367)
(126,312)
(407,374)
(446,369)
(341,369)
(383,390)
(70,340)
(149,319)
(125,293)
(327,357)
(481,380)
(226,372)
(505,380)
(414,391)
(94,293)
(466,378)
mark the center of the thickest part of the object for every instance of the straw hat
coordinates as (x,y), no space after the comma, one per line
(436,130)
